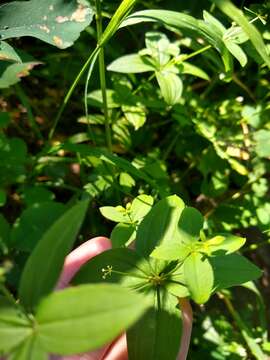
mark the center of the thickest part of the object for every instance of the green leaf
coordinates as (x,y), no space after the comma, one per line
(122,234)
(171,86)
(117,214)
(11,73)
(187,68)
(160,225)
(81,319)
(131,64)
(36,195)
(253,34)
(156,336)
(29,350)
(135,115)
(232,270)
(189,226)
(33,223)
(7,53)
(14,326)
(95,99)
(199,277)
(45,263)
(128,267)
(170,252)
(140,207)
(223,243)
(236,51)
(56,22)
(262,139)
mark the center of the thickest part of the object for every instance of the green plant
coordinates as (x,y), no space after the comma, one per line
(170,98)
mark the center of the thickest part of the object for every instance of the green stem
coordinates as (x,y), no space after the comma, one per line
(25,102)
(102,76)
(13,301)
(253,346)
(70,92)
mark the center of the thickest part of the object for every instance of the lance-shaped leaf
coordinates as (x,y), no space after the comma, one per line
(156,336)
(84,318)
(160,225)
(199,277)
(46,261)
(57,22)
(14,326)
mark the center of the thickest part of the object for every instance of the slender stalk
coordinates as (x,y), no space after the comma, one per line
(70,92)
(251,343)
(187,319)
(102,76)
(9,296)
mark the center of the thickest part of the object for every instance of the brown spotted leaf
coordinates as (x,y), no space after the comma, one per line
(57,22)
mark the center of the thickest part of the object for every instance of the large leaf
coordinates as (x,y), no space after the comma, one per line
(159,225)
(232,270)
(127,268)
(156,336)
(57,22)
(14,326)
(29,350)
(86,317)
(46,261)
(253,34)
(199,277)
(33,223)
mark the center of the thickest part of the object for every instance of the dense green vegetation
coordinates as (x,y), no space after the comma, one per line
(146,122)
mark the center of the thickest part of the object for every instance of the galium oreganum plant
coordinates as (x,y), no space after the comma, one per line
(171,262)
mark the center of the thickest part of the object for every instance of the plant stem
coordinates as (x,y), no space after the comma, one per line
(187,319)
(70,92)
(251,343)
(103,76)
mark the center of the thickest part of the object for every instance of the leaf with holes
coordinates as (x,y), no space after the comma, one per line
(57,22)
